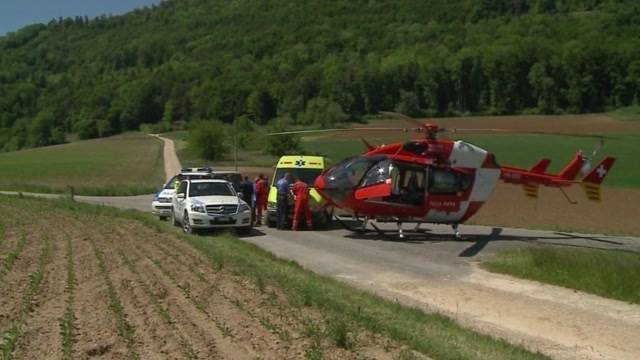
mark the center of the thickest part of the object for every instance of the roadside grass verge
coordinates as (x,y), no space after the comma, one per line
(345,309)
(107,190)
(608,273)
(126,164)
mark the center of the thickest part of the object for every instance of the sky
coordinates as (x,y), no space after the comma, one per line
(15,14)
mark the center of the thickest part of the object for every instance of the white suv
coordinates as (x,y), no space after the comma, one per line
(206,204)
(161,204)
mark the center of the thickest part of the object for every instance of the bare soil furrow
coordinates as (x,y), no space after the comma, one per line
(125,330)
(41,333)
(155,295)
(178,299)
(15,281)
(226,301)
(97,335)
(239,330)
(12,336)
(153,336)
(263,304)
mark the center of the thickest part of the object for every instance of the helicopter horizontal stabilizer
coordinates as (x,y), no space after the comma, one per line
(591,182)
(541,166)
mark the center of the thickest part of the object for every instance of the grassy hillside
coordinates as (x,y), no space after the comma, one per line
(121,165)
(314,62)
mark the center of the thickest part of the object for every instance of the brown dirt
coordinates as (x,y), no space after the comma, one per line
(178,303)
(617,213)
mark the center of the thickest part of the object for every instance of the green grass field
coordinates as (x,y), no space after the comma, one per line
(608,273)
(127,164)
(518,150)
(629,113)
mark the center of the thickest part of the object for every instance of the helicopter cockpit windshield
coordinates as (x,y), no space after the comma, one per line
(348,174)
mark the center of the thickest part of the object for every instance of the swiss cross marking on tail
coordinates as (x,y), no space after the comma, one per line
(601,171)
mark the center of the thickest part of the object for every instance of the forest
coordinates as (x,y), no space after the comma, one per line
(317,62)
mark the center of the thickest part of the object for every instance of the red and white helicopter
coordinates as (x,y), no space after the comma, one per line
(434,180)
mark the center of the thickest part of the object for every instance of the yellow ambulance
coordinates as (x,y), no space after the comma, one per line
(306,168)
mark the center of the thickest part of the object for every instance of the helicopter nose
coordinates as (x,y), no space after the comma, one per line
(331,189)
(319,183)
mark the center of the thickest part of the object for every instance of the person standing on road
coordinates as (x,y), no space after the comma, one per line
(247,188)
(301,206)
(262,194)
(283,201)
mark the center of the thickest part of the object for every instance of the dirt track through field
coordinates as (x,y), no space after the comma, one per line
(171,162)
(119,290)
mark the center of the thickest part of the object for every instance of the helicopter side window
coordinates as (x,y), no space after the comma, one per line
(379,173)
(447,181)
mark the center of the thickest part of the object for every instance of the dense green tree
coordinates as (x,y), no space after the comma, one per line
(318,62)
(279,145)
(207,139)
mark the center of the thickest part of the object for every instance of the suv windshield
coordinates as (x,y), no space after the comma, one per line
(232,177)
(210,188)
(171,183)
(307,175)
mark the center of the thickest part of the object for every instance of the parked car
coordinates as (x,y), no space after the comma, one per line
(233,177)
(210,203)
(161,204)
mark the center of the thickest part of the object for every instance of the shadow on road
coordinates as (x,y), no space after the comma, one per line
(480,241)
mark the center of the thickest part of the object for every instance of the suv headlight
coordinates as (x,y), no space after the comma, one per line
(198,207)
(244,208)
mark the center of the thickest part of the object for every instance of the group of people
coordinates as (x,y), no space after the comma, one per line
(256,193)
(300,194)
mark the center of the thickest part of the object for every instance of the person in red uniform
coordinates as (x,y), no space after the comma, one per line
(262,193)
(301,204)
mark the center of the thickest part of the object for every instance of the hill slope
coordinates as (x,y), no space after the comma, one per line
(127,164)
(302,61)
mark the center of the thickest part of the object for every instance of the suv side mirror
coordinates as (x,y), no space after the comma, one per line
(241,195)
(180,196)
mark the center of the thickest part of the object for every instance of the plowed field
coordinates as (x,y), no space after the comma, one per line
(83,285)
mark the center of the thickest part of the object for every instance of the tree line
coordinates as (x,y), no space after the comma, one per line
(314,62)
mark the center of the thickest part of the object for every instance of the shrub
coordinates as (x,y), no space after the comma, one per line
(207,139)
(283,144)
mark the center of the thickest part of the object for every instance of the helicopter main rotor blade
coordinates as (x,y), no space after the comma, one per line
(313,131)
(404,117)
(525,132)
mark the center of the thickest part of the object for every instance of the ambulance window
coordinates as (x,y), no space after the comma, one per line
(379,173)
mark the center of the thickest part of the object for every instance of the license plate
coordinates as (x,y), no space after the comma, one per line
(222,219)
